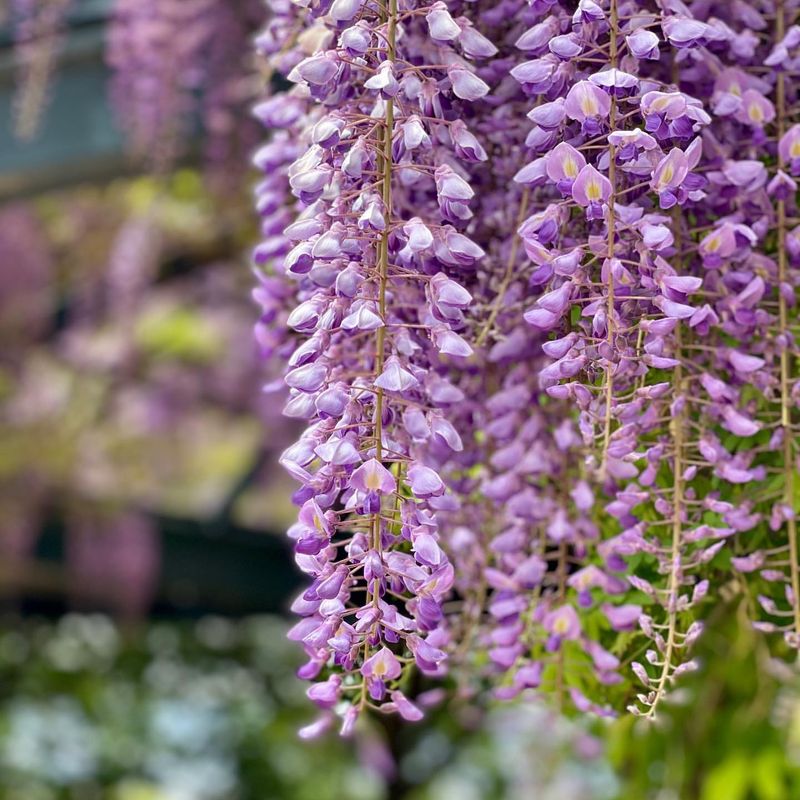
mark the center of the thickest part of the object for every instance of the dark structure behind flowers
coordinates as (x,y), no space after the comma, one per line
(547,368)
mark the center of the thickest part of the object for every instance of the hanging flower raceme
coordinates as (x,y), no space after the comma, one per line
(37,26)
(749,253)
(618,298)
(527,541)
(377,251)
(177,64)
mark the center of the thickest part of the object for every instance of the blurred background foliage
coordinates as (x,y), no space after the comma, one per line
(209,709)
(143,573)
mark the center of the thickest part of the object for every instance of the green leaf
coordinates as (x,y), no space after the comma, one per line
(728,780)
(767,773)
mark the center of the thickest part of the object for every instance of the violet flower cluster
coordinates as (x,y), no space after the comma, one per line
(37,28)
(529,269)
(177,66)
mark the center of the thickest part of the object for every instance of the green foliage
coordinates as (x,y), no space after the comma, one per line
(207,711)
(180,333)
(725,735)
(210,710)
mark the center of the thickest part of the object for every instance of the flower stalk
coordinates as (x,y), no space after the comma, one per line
(611,240)
(784,340)
(677,425)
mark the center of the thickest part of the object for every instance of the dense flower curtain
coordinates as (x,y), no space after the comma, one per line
(530,271)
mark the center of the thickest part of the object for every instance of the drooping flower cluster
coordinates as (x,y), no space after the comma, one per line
(378,247)
(37,29)
(749,255)
(561,353)
(178,65)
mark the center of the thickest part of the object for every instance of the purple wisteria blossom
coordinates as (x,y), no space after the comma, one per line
(536,306)
(377,258)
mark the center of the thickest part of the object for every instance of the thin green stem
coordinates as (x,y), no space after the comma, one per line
(383,277)
(677,433)
(509,273)
(785,365)
(612,177)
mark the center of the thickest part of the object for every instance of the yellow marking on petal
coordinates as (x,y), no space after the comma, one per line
(570,167)
(794,150)
(666,175)
(589,106)
(713,243)
(755,113)
(593,191)
(561,625)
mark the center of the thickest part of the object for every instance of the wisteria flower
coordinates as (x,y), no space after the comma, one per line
(591,190)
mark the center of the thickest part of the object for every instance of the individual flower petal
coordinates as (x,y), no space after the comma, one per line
(591,188)
(372,476)
(394,377)
(466,84)
(424,481)
(643,44)
(441,26)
